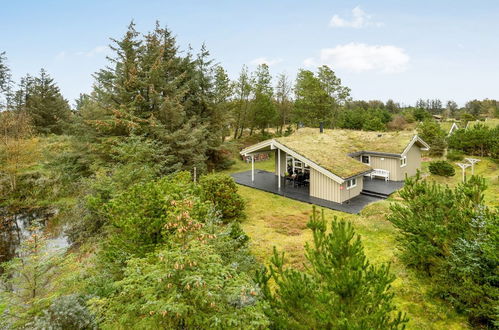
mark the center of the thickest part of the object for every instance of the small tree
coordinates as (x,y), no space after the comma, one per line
(27,279)
(339,289)
(373,124)
(221,190)
(452,236)
(430,131)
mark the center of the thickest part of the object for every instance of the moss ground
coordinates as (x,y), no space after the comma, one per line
(277,221)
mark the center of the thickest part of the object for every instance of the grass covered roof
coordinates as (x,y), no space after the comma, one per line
(331,148)
(490,122)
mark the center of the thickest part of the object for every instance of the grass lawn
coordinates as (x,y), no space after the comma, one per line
(278,221)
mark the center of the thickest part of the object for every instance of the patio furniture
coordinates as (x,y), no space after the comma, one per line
(380,173)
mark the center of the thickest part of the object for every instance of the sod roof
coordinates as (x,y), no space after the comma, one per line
(331,149)
(446,125)
(490,122)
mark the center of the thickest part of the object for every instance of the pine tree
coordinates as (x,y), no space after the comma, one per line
(339,288)
(430,131)
(283,98)
(27,279)
(151,89)
(45,104)
(243,92)
(264,111)
(337,94)
(5,82)
(223,93)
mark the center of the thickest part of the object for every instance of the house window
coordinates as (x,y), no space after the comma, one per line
(294,165)
(403,161)
(365,159)
(351,183)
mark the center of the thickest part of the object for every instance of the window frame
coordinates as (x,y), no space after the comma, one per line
(368,159)
(352,183)
(403,161)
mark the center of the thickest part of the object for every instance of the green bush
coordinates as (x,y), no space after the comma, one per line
(478,140)
(147,215)
(451,236)
(455,155)
(221,190)
(66,312)
(442,168)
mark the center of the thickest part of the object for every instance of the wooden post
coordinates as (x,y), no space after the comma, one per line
(472,162)
(195,174)
(463,167)
(279,168)
(252,168)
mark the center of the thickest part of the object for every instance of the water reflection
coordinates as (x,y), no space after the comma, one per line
(15,229)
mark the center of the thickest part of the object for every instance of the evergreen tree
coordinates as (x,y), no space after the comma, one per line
(311,100)
(431,132)
(283,99)
(339,290)
(223,93)
(45,104)
(337,93)
(319,97)
(27,279)
(451,109)
(151,89)
(243,92)
(451,236)
(264,112)
(391,106)
(5,82)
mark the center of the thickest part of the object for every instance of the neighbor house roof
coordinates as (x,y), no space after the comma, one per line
(332,149)
(489,122)
(453,128)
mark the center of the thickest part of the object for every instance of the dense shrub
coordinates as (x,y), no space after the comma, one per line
(172,264)
(147,215)
(221,190)
(66,312)
(454,155)
(442,168)
(373,124)
(477,140)
(338,290)
(452,236)
(398,123)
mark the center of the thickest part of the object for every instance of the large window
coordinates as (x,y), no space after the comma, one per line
(351,183)
(365,159)
(295,165)
(403,161)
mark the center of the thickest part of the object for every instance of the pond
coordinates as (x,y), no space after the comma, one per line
(15,229)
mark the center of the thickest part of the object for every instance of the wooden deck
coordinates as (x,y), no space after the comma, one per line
(267,181)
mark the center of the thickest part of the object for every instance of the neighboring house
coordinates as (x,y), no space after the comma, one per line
(453,128)
(437,117)
(337,161)
(488,122)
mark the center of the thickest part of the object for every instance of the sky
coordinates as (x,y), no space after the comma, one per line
(401,50)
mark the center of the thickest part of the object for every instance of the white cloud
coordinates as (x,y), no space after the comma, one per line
(358,57)
(61,55)
(95,51)
(90,53)
(359,20)
(264,60)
